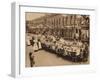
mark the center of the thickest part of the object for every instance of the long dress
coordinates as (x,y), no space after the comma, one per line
(39,45)
(35,46)
(28,42)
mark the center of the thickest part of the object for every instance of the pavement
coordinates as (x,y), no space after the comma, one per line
(44,58)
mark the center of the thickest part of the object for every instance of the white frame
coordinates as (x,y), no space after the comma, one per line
(18,41)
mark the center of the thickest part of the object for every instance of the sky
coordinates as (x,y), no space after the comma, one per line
(32,15)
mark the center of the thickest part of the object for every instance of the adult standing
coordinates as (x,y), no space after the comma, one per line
(31,57)
(35,45)
(39,44)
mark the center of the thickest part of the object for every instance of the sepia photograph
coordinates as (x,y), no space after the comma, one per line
(56,39)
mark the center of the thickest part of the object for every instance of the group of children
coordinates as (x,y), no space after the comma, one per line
(65,48)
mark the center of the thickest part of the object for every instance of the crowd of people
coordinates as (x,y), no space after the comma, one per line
(75,50)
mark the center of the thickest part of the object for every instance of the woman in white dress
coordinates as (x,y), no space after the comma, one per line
(39,44)
(35,45)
